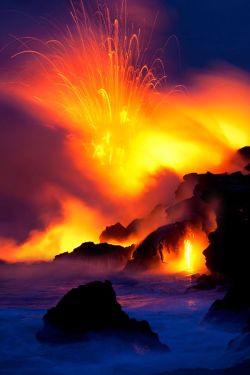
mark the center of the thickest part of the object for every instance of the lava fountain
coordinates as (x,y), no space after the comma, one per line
(97,80)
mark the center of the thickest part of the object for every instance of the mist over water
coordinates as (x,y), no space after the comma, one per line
(26,292)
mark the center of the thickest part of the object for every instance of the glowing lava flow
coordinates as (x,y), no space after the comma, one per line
(188,254)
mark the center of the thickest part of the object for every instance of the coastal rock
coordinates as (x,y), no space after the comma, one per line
(228,255)
(155,248)
(204,282)
(92,309)
(107,256)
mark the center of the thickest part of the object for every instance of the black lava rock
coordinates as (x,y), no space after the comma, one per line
(137,228)
(93,309)
(154,250)
(228,253)
(205,282)
(110,257)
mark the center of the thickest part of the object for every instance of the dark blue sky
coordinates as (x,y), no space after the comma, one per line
(208,31)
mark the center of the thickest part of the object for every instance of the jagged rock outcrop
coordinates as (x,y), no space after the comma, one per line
(92,310)
(136,229)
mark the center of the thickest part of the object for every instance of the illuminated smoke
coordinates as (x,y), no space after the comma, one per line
(120,127)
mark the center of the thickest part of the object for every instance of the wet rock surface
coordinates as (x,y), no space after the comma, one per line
(92,310)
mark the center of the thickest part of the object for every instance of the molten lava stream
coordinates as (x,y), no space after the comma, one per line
(188,258)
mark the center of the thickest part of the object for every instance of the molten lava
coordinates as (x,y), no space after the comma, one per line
(188,254)
(188,257)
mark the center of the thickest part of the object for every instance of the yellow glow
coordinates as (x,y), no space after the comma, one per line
(188,254)
(188,258)
(80,224)
(123,124)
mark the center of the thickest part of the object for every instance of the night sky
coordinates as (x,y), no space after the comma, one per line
(208,31)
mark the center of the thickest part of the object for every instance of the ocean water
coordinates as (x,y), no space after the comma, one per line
(26,292)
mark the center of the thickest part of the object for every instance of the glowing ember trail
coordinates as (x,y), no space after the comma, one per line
(97,79)
(123,122)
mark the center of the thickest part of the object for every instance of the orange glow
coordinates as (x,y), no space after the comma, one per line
(124,125)
(188,258)
(122,120)
(188,254)
(80,224)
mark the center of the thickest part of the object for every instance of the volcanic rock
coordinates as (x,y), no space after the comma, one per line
(232,311)
(228,253)
(92,309)
(103,254)
(194,210)
(137,227)
(247,167)
(242,341)
(244,152)
(204,282)
(115,232)
(186,187)
(154,249)
(190,213)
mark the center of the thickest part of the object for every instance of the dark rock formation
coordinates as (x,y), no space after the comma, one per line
(228,253)
(247,167)
(116,232)
(204,282)
(186,188)
(157,245)
(194,210)
(190,213)
(137,228)
(93,309)
(244,153)
(104,254)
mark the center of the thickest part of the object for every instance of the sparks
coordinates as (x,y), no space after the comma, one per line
(97,78)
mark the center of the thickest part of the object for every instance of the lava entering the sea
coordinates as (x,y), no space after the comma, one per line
(124,128)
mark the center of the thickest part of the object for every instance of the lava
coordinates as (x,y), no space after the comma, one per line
(124,125)
(122,118)
(188,254)
(188,257)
